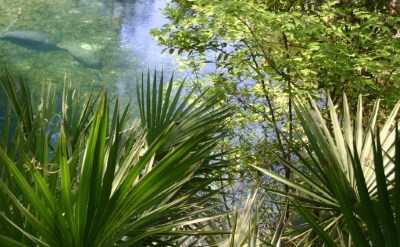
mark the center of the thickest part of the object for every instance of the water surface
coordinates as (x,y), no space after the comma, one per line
(116,32)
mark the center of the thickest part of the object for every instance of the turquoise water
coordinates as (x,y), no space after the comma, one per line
(115,32)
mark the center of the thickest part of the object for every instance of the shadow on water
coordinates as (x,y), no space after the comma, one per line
(114,32)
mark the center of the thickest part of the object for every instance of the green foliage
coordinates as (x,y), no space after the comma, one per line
(347,179)
(257,55)
(264,50)
(188,115)
(91,177)
(325,44)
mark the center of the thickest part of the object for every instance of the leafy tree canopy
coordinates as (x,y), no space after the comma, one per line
(339,46)
(258,53)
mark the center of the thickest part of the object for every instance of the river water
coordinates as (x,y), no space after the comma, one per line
(115,32)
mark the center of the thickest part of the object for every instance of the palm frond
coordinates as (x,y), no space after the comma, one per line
(344,171)
(100,180)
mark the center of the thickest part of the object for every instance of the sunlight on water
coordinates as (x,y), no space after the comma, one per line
(98,44)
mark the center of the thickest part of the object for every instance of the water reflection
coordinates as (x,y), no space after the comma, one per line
(138,18)
(116,32)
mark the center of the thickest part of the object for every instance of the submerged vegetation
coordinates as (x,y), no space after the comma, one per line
(291,140)
(101,43)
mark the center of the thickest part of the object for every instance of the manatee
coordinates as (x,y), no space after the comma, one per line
(38,41)
(84,56)
(29,39)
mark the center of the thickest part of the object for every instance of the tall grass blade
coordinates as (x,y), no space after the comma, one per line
(396,187)
(385,209)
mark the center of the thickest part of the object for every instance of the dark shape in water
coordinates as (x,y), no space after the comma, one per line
(38,41)
(29,39)
(85,57)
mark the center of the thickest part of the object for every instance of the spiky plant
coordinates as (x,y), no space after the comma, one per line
(347,181)
(89,176)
